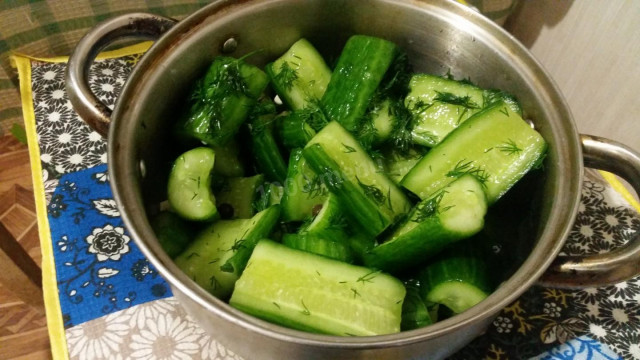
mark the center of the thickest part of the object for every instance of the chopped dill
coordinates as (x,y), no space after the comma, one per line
(305,311)
(463,168)
(372,192)
(428,208)
(348,149)
(509,147)
(313,186)
(355,293)
(453,99)
(368,277)
(286,76)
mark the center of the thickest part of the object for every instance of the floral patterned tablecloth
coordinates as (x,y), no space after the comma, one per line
(106,301)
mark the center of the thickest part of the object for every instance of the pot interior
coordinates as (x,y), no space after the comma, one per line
(526,227)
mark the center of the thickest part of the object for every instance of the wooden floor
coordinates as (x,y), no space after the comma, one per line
(23,331)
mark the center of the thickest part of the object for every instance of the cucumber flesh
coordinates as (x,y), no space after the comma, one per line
(300,76)
(457,279)
(325,295)
(329,216)
(439,105)
(455,213)
(457,296)
(260,226)
(228,161)
(397,163)
(189,187)
(383,120)
(235,198)
(496,146)
(303,189)
(366,194)
(218,244)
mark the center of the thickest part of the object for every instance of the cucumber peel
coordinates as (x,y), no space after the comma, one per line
(455,213)
(325,295)
(189,188)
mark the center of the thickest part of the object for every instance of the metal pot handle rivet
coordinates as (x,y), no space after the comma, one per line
(620,264)
(88,106)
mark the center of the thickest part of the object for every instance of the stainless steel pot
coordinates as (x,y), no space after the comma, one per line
(439,36)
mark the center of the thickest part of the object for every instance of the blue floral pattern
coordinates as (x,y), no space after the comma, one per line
(100,270)
(582,348)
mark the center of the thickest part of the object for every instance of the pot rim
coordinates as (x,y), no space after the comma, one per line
(124,172)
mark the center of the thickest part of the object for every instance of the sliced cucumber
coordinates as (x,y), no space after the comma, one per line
(455,213)
(324,296)
(399,163)
(218,244)
(383,120)
(260,226)
(174,234)
(268,194)
(439,105)
(457,279)
(228,163)
(360,69)
(360,243)
(330,216)
(300,76)
(303,190)
(415,313)
(222,100)
(235,198)
(294,129)
(495,145)
(189,188)
(331,243)
(493,96)
(366,194)
(265,148)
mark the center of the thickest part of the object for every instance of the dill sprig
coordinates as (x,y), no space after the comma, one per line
(464,167)
(372,192)
(509,147)
(313,115)
(466,80)
(401,132)
(453,99)
(428,208)
(348,149)
(305,310)
(313,186)
(368,277)
(420,106)
(286,76)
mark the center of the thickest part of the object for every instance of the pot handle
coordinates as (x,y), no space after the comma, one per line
(620,264)
(91,109)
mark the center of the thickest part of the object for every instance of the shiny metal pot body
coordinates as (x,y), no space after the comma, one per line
(440,37)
